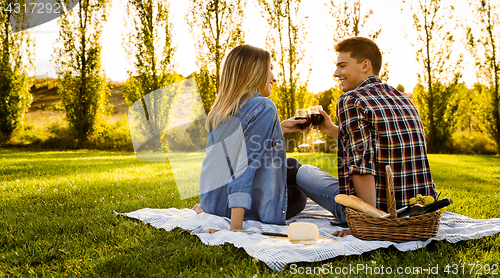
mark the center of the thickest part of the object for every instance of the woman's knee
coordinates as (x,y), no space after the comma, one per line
(292,163)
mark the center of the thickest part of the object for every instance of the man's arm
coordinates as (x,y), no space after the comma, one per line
(365,188)
(327,126)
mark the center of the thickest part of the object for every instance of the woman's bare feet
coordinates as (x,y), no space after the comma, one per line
(197,209)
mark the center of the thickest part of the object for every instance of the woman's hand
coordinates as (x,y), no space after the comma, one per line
(342,233)
(290,125)
(327,126)
(211,231)
(237,215)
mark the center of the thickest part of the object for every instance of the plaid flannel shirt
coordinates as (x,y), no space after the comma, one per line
(380,126)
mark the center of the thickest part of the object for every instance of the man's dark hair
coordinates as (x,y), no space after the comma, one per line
(362,49)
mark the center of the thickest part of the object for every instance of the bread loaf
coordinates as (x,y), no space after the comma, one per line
(356,203)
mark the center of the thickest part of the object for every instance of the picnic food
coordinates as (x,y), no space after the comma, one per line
(356,203)
(419,209)
(302,231)
(423,200)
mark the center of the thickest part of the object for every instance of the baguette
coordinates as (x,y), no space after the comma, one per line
(356,203)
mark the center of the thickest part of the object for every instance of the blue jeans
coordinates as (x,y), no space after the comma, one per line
(322,188)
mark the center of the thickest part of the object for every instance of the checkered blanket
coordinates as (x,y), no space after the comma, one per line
(278,253)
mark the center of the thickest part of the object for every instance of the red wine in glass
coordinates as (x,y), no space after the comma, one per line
(303,114)
(304,125)
(316,119)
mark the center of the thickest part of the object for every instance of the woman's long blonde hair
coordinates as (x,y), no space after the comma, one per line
(244,73)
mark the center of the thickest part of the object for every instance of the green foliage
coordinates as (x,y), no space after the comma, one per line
(351,20)
(190,139)
(281,98)
(132,89)
(216,25)
(439,73)
(334,94)
(149,48)
(61,137)
(48,83)
(285,40)
(207,87)
(113,137)
(16,59)
(485,112)
(25,135)
(84,102)
(439,119)
(325,99)
(472,143)
(82,83)
(484,45)
(105,136)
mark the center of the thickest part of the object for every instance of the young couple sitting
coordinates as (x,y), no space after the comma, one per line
(246,174)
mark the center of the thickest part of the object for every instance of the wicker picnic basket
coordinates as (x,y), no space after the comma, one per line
(367,227)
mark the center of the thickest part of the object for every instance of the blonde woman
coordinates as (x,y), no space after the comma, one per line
(244,175)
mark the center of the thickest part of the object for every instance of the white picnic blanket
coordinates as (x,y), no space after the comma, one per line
(278,253)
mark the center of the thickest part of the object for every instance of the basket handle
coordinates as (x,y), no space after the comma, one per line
(389,190)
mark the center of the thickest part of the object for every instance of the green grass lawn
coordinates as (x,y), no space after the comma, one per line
(57,219)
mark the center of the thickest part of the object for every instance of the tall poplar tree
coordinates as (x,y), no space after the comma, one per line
(217,25)
(351,20)
(285,40)
(150,51)
(81,80)
(149,47)
(439,73)
(485,47)
(16,60)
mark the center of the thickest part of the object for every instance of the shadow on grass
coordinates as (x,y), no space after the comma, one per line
(177,253)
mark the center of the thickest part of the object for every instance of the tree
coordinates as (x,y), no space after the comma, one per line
(217,24)
(82,82)
(485,46)
(325,99)
(149,48)
(445,105)
(285,39)
(16,60)
(350,20)
(438,72)
(336,92)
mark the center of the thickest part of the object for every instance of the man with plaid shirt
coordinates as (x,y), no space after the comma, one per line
(378,126)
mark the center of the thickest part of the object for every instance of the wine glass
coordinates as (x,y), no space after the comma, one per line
(316,120)
(303,114)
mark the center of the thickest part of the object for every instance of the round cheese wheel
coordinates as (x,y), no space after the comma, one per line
(303,231)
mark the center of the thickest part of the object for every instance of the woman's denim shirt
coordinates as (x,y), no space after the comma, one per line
(245,165)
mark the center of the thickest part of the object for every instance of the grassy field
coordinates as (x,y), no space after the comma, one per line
(57,219)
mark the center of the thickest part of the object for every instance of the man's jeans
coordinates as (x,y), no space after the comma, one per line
(320,187)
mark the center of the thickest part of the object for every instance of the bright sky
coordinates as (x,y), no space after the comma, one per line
(402,63)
